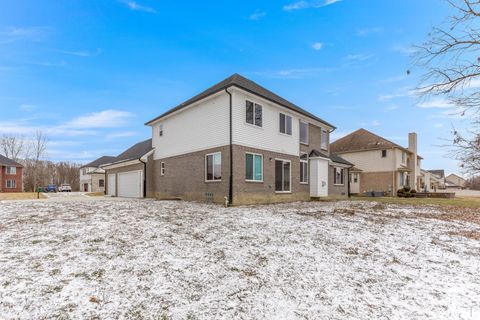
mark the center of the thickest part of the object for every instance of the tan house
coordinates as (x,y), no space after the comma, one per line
(92,177)
(431,180)
(380,165)
(455,182)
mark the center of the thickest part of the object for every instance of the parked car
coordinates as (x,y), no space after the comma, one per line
(65,188)
(50,188)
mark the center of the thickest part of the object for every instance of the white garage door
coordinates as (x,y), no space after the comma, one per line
(111,183)
(130,184)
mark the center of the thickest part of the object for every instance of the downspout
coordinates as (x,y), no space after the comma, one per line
(144,177)
(230,180)
(348,183)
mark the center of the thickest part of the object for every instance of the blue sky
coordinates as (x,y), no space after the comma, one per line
(90,73)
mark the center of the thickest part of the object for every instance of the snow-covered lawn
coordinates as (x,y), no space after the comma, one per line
(134,259)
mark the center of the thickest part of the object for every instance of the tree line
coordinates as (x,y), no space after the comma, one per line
(31,152)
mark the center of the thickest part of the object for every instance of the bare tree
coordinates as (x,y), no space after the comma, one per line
(13,146)
(451,58)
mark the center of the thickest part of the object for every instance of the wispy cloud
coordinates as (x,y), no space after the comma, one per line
(392,107)
(102,119)
(405,49)
(24,33)
(359,57)
(293,73)
(369,31)
(257,15)
(373,123)
(27,107)
(317,46)
(118,135)
(298,5)
(84,53)
(400,93)
(138,7)
(436,104)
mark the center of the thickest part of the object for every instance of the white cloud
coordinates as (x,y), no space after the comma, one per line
(24,33)
(369,31)
(405,49)
(359,57)
(117,135)
(438,125)
(317,46)
(392,107)
(27,107)
(293,73)
(84,53)
(308,4)
(257,15)
(436,103)
(138,7)
(102,119)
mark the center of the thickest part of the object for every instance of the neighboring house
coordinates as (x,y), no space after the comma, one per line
(380,165)
(126,173)
(92,177)
(11,175)
(240,142)
(431,181)
(439,175)
(455,182)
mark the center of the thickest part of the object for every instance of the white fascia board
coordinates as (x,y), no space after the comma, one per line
(121,164)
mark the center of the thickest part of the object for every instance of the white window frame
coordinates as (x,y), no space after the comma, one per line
(13,184)
(302,162)
(254,107)
(160,130)
(213,154)
(285,191)
(8,170)
(162,168)
(285,124)
(342,170)
(324,133)
(253,167)
(300,132)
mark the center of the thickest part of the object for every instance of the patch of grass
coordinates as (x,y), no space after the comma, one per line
(20,196)
(456,202)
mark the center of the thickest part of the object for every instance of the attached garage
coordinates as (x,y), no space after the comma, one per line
(130,184)
(126,174)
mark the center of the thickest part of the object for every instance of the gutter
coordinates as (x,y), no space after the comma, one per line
(144,177)
(230,179)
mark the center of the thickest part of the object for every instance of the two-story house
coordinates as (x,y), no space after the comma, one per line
(92,176)
(382,165)
(239,142)
(11,175)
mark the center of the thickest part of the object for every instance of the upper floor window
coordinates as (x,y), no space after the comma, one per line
(338,176)
(11,184)
(384,153)
(303,132)
(285,124)
(84,171)
(254,113)
(162,168)
(11,170)
(160,130)
(324,140)
(253,167)
(213,167)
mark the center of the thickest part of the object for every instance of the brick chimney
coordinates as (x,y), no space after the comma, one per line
(412,147)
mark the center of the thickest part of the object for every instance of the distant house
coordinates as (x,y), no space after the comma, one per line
(11,175)
(380,164)
(127,173)
(431,180)
(454,181)
(92,176)
(439,174)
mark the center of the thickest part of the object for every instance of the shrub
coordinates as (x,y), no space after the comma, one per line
(406,192)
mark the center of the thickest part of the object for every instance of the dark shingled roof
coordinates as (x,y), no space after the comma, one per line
(362,140)
(135,152)
(100,161)
(4,161)
(440,173)
(333,157)
(247,85)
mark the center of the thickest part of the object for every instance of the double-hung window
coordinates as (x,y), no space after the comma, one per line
(324,140)
(254,113)
(11,184)
(285,124)
(162,168)
(338,176)
(253,167)
(160,130)
(213,167)
(384,153)
(11,170)
(303,132)
(304,168)
(282,176)
(101,183)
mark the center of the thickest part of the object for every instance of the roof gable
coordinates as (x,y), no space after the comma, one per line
(247,85)
(136,151)
(98,162)
(362,140)
(4,161)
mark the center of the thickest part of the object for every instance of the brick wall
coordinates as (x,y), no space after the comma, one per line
(18,177)
(337,191)
(376,181)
